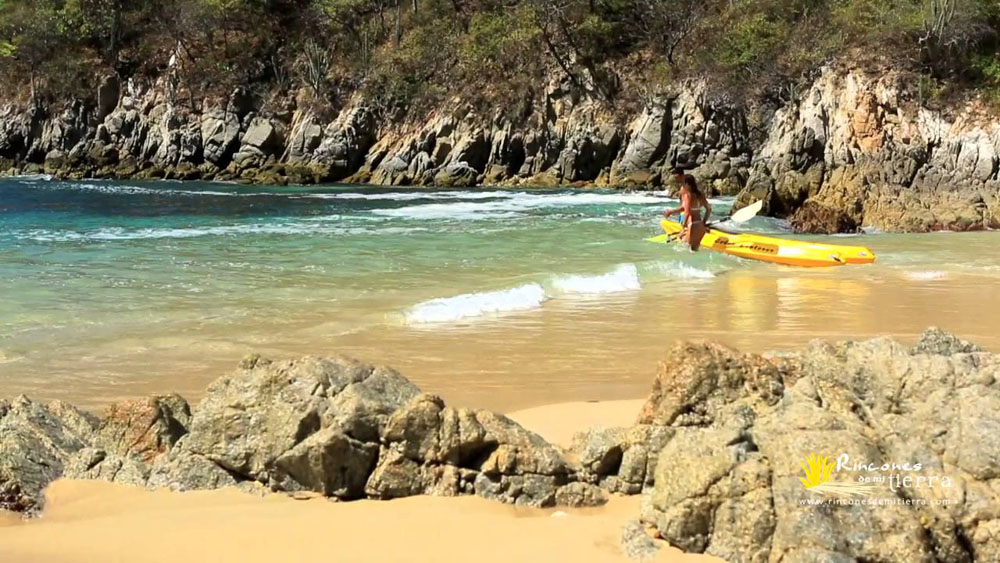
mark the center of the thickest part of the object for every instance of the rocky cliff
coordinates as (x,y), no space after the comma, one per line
(852,151)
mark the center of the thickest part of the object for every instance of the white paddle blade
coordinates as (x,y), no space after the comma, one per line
(747,213)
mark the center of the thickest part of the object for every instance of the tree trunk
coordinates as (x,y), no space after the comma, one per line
(399,22)
(116,22)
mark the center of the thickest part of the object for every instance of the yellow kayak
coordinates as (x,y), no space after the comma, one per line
(771,249)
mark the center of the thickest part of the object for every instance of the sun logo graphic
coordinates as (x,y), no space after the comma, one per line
(818,470)
(818,478)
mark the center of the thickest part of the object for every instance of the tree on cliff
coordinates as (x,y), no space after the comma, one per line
(499,51)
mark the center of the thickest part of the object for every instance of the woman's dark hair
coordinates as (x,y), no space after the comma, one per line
(692,185)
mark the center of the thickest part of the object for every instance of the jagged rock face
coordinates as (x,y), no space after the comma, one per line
(569,139)
(718,453)
(731,484)
(856,151)
(143,427)
(299,424)
(330,425)
(36,441)
(853,151)
(431,448)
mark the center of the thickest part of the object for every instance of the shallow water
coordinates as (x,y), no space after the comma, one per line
(495,298)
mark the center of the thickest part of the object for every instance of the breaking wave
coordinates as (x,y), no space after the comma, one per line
(926,275)
(681,271)
(623,278)
(512,203)
(449,309)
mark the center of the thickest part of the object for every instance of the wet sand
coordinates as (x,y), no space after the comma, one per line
(573,349)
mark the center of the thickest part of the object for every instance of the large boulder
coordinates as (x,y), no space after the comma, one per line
(429,447)
(144,427)
(696,382)
(36,441)
(456,175)
(95,463)
(220,133)
(290,424)
(334,426)
(853,451)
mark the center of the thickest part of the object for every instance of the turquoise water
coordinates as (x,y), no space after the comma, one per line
(112,289)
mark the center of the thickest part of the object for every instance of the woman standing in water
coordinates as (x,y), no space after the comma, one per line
(692,202)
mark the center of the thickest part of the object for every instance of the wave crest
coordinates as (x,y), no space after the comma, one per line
(623,278)
(448,309)
(681,271)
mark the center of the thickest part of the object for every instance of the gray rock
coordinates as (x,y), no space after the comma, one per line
(260,137)
(35,444)
(457,174)
(731,484)
(249,420)
(599,452)
(305,138)
(939,342)
(182,470)
(144,427)
(396,476)
(580,494)
(696,381)
(328,462)
(92,463)
(525,489)
(649,137)
(425,442)
(636,543)
(220,133)
(108,94)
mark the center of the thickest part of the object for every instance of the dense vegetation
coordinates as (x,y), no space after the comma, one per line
(404,52)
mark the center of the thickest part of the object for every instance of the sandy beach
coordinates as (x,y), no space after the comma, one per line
(96,521)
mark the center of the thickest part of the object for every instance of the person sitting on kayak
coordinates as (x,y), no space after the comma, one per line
(692,202)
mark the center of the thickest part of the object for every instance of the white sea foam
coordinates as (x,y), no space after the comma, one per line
(412,195)
(926,275)
(518,202)
(107,234)
(121,189)
(623,278)
(470,305)
(33,177)
(681,271)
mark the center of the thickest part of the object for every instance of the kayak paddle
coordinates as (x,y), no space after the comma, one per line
(743,214)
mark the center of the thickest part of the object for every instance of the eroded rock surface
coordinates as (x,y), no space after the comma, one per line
(854,150)
(729,480)
(334,426)
(719,451)
(36,441)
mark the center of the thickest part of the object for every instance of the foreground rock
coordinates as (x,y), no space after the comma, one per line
(329,425)
(36,441)
(913,433)
(856,451)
